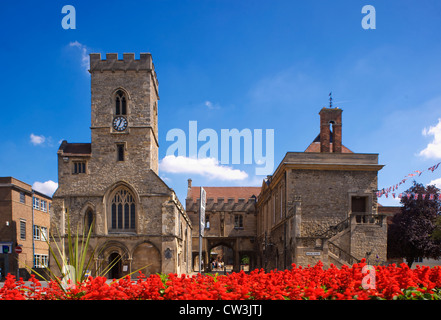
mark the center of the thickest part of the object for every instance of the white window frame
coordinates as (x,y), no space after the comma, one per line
(43,205)
(40,260)
(43,234)
(36,203)
(37,232)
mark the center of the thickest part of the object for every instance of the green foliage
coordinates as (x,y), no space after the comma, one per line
(415,231)
(245,260)
(74,266)
(413,293)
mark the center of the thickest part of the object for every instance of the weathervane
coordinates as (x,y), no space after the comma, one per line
(330,99)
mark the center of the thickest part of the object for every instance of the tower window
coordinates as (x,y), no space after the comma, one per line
(120,103)
(238,221)
(88,219)
(79,167)
(207,222)
(120,151)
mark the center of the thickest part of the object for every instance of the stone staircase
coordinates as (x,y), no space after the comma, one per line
(335,235)
(339,256)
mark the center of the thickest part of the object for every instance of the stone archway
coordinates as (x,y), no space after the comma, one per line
(223,252)
(147,257)
(110,252)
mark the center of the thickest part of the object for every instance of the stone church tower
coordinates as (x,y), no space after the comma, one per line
(114,180)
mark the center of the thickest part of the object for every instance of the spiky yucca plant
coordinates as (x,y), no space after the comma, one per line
(73,266)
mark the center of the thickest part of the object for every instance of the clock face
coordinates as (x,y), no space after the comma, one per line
(120,123)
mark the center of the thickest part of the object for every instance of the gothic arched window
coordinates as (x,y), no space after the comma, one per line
(88,219)
(123,210)
(120,103)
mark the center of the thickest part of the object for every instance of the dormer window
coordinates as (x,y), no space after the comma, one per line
(120,103)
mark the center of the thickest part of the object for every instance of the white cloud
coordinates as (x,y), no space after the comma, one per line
(47,187)
(207,167)
(433,149)
(436,182)
(165,179)
(37,140)
(210,105)
(84,55)
(253,181)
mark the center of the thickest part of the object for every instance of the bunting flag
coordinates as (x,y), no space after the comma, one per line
(415,196)
(393,188)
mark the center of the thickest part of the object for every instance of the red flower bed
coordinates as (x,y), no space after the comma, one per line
(311,283)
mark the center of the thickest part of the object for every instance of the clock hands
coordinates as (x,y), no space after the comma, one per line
(120,123)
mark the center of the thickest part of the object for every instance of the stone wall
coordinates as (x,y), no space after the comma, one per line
(315,195)
(223,228)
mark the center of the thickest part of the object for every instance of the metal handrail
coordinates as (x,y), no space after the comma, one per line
(342,254)
(333,230)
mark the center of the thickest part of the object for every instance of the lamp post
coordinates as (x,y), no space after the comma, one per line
(265,244)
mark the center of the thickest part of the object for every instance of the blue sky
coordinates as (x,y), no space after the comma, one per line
(230,64)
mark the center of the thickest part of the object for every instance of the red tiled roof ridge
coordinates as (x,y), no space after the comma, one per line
(225,192)
(315,147)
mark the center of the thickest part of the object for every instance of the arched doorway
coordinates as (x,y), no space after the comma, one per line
(245,262)
(114,259)
(221,258)
(115,271)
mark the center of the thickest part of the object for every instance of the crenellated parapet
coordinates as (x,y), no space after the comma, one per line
(127,63)
(221,204)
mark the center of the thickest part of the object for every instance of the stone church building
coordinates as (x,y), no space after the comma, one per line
(113,180)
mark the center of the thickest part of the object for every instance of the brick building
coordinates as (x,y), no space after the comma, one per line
(114,179)
(24,222)
(230,226)
(320,204)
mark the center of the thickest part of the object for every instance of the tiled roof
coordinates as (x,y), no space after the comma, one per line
(76,148)
(315,145)
(225,192)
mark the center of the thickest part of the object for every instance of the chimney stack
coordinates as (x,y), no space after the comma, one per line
(330,130)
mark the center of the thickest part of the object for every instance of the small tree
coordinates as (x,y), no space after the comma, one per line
(413,232)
